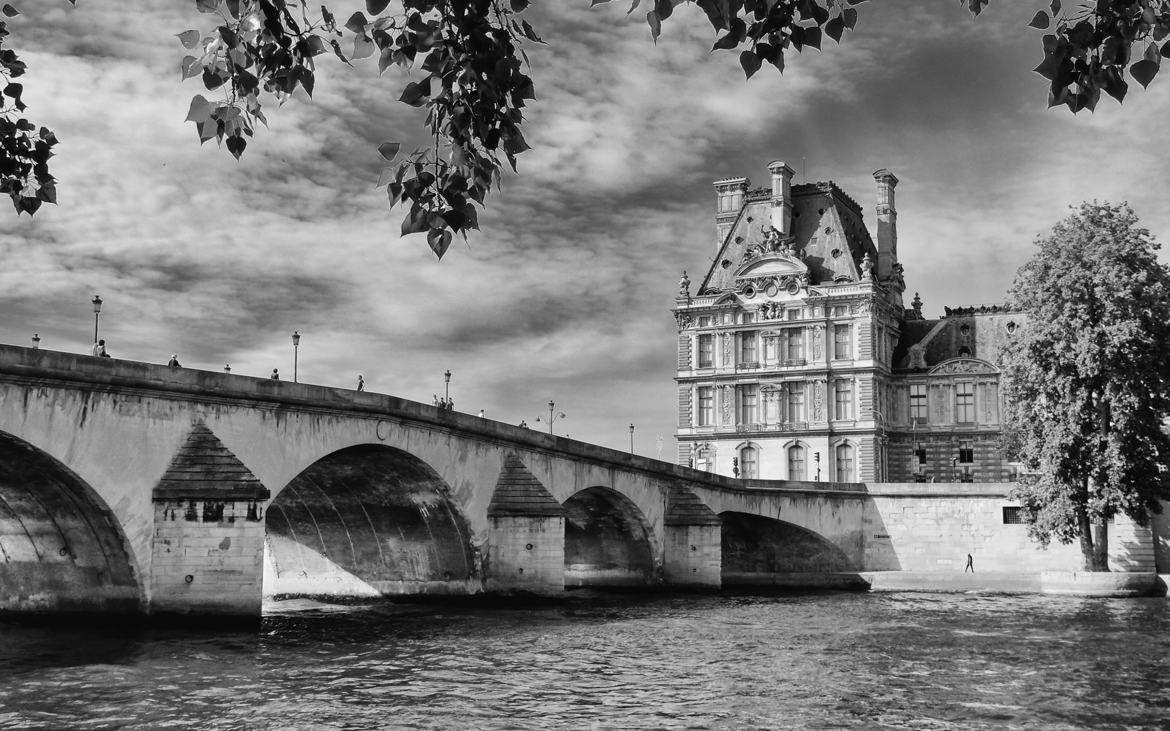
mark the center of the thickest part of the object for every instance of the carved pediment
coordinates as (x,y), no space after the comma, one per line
(963,366)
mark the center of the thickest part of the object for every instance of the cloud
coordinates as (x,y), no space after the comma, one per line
(566,292)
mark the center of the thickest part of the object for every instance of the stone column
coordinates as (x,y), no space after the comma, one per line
(526,535)
(887,223)
(694,550)
(208,545)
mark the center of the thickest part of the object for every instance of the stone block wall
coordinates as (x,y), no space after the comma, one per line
(208,558)
(693,555)
(526,554)
(933,526)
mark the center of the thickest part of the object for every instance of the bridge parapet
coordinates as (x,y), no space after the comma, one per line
(102,374)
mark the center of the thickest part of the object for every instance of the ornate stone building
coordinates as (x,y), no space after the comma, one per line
(799,361)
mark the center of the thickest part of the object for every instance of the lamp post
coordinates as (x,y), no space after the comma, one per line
(296,336)
(553,415)
(36,341)
(631,438)
(97,311)
(447,386)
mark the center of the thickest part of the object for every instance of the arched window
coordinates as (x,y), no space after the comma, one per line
(749,463)
(796,463)
(844,463)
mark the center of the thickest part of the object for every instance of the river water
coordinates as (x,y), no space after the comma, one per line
(815,661)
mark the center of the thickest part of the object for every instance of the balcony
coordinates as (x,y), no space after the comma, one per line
(747,365)
(788,426)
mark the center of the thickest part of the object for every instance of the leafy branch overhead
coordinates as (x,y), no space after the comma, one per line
(474,84)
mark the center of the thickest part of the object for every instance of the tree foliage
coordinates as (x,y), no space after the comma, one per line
(474,85)
(24,149)
(1087,378)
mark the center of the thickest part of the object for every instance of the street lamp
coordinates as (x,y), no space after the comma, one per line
(36,341)
(553,416)
(296,336)
(631,438)
(447,387)
(97,311)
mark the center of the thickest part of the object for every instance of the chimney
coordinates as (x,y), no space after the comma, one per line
(887,224)
(781,197)
(729,197)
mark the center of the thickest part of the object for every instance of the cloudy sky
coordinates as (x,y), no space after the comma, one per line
(565,293)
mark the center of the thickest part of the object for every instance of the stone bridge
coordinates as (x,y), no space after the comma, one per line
(127,487)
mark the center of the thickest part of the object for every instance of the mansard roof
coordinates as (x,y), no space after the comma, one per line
(829,236)
(977,332)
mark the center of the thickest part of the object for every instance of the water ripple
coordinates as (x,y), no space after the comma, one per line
(815,661)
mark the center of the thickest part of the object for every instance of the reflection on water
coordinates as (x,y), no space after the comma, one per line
(922,661)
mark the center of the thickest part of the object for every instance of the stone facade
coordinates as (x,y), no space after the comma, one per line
(798,361)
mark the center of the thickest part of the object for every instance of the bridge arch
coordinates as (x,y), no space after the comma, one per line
(367,520)
(756,549)
(608,541)
(61,548)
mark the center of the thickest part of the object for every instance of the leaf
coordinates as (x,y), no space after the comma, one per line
(655,25)
(1144,71)
(750,62)
(236,146)
(519,6)
(416,92)
(1040,21)
(439,241)
(200,110)
(357,23)
(207,6)
(189,38)
(834,28)
(375,7)
(362,47)
(389,151)
(9,10)
(1055,7)
(416,221)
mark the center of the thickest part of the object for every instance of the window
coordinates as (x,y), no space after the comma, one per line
(920,454)
(842,342)
(966,453)
(794,314)
(706,405)
(706,351)
(796,463)
(748,347)
(794,344)
(1012,515)
(843,391)
(964,402)
(967,476)
(796,402)
(748,461)
(917,402)
(705,321)
(840,310)
(749,403)
(844,463)
(749,318)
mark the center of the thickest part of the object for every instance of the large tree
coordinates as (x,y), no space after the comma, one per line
(476,83)
(1087,378)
